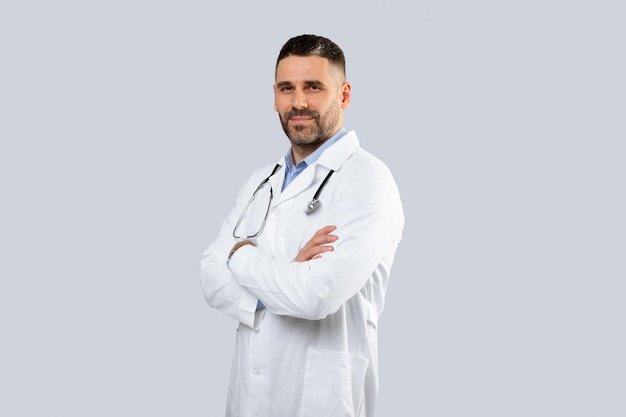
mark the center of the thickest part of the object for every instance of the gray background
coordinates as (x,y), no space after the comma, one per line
(127,127)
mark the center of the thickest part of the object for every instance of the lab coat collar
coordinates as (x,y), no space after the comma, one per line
(332,158)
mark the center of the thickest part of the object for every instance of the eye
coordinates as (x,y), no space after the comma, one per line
(286,88)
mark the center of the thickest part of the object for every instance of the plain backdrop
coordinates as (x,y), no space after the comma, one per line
(127,128)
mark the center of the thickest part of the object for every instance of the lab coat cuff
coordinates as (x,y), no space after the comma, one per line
(235,257)
(248,313)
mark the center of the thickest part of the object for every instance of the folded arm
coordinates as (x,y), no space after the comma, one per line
(370,221)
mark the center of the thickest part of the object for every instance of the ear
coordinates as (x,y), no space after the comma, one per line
(345,94)
(275,106)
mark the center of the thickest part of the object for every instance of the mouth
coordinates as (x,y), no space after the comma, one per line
(298,120)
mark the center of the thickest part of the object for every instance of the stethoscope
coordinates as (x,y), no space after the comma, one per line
(315,201)
(310,207)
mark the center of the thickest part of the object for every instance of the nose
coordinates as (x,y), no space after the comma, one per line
(299,99)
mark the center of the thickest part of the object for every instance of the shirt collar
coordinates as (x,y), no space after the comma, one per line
(309,160)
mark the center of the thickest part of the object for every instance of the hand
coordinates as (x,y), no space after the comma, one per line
(317,245)
(240,244)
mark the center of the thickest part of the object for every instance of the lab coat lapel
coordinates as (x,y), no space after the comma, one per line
(278,179)
(299,184)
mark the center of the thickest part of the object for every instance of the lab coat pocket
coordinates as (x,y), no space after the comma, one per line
(333,384)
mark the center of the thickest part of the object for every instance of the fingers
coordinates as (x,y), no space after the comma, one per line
(318,244)
(312,252)
(325,230)
(323,236)
(240,244)
(308,253)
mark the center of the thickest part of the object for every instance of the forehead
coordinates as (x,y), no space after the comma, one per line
(300,68)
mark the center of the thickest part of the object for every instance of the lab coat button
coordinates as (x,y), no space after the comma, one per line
(256,371)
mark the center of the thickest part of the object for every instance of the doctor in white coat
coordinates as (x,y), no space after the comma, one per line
(303,260)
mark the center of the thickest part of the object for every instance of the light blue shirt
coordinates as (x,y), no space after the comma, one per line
(291,171)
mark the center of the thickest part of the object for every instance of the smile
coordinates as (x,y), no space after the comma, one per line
(300,119)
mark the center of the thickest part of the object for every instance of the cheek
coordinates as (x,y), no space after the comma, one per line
(280,106)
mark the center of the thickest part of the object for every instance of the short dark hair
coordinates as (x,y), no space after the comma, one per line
(306,45)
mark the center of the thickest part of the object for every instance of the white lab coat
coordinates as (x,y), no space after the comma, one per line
(312,352)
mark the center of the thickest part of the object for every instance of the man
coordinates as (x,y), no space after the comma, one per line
(303,259)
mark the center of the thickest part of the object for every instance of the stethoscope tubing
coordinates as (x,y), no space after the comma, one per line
(315,201)
(310,207)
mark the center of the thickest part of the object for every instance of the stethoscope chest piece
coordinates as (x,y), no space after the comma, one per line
(315,201)
(313,204)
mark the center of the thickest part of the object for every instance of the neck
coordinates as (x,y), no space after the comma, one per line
(300,151)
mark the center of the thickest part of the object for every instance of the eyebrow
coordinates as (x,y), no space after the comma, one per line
(307,83)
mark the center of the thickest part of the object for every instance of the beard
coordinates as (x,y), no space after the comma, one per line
(322,128)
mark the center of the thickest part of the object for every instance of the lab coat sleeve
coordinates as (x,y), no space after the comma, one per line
(367,211)
(220,288)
